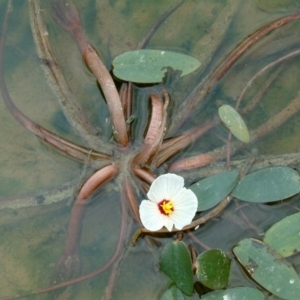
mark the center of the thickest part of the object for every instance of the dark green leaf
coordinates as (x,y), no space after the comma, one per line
(268,268)
(149,66)
(173,293)
(234,122)
(176,262)
(284,236)
(212,190)
(267,185)
(213,269)
(244,293)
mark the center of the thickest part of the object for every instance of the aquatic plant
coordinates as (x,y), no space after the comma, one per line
(132,158)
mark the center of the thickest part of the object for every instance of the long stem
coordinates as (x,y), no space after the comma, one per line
(204,88)
(207,158)
(70,262)
(255,100)
(131,199)
(144,42)
(70,107)
(126,196)
(173,145)
(219,153)
(144,174)
(155,120)
(65,146)
(67,16)
(122,237)
(126,101)
(75,223)
(267,67)
(155,131)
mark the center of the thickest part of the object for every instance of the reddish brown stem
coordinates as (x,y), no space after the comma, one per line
(155,121)
(176,144)
(144,42)
(55,78)
(77,152)
(144,174)
(122,239)
(292,108)
(244,217)
(113,259)
(97,179)
(69,262)
(68,18)
(65,146)
(204,88)
(131,199)
(267,67)
(197,241)
(276,121)
(126,101)
(111,94)
(255,100)
(155,131)
(219,153)
(197,161)
(249,83)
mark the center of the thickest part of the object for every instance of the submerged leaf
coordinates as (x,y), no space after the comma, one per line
(213,269)
(268,268)
(212,190)
(149,66)
(234,122)
(268,185)
(176,262)
(284,236)
(245,293)
(173,293)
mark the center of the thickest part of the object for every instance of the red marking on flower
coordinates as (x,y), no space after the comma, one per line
(165,207)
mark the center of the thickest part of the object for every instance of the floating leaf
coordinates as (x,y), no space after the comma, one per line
(284,236)
(148,66)
(268,268)
(234,122)
(268,185)
(213,269)
(212,190)
(176,262)
(245,293)
(173,293)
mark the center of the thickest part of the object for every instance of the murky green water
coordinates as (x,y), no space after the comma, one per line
(32,239)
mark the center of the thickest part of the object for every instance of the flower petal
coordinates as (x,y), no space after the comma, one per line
(185,198)
(165,187)
(185,207)
(151,217)
(169,223)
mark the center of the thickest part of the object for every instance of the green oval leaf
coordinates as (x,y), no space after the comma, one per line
(234,122)
(268,268)
(212,190)
(173,293)
(245,293)
(268,185)
(176,262)
(213,269)
(147,66)
(284,236)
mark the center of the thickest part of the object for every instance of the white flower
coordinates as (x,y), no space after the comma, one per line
(169,204)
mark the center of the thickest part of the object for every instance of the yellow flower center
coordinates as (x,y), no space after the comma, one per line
(166,207)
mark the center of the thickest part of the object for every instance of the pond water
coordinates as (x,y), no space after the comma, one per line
(32,235)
